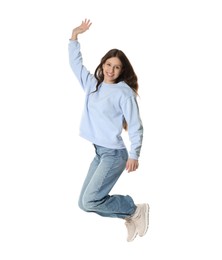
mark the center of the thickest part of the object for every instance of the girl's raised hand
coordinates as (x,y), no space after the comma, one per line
(81,29)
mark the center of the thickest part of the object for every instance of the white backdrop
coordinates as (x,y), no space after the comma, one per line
(175,48)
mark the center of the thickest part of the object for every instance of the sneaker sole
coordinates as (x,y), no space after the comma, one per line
(146,219)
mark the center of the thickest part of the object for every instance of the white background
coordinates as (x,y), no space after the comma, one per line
(175,49)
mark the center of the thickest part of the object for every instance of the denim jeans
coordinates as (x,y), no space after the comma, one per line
(104,171)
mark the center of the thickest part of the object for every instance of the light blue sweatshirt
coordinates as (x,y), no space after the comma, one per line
(104,110)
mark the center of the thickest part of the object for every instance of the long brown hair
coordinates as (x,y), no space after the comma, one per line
(127,75)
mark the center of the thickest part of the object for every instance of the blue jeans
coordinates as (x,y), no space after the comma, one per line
(104,171)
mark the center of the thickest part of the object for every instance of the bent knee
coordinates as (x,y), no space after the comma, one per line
(85,205)
(81,206)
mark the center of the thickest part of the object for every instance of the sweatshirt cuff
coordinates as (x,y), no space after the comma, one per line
(133,156)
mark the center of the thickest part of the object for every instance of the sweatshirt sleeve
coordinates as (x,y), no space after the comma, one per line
(85,78)
(135,126)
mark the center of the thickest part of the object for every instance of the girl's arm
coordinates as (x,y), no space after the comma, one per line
(86,79)
(135,127)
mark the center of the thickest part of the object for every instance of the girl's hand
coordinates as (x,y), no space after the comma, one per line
(132,165)
(81,29)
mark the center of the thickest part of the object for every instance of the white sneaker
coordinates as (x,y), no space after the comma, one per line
(141,218)
(131,229)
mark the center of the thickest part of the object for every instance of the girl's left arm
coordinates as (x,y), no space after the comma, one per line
(135,127)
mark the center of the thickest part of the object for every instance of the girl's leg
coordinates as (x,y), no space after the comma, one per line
(108,165)
(93,166)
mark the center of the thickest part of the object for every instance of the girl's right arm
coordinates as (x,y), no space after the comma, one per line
(86,79)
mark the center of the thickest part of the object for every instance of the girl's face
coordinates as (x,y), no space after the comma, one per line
(112,68)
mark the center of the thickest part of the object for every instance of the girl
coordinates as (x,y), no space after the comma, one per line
(110,105)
